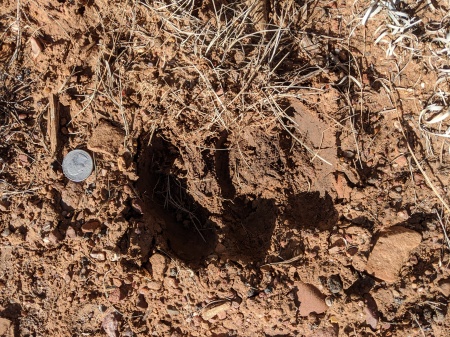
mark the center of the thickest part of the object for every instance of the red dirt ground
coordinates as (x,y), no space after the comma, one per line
(245,183)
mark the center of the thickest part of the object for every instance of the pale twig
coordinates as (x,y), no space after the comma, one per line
(18,38)
(443,229)
(418,324)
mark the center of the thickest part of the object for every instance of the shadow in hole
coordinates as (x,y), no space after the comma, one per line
(13,312)
(222,167)
(248,227)
(419,221)
(247,222)
(188,232)
(309,210)
(362,285)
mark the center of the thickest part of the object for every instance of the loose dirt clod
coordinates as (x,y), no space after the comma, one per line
(90,226)
(159,266)
(106,139)
(324,332)
(6,328)
(444,287)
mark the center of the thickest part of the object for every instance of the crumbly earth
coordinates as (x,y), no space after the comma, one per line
(250,158)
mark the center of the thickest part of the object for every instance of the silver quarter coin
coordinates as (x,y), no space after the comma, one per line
(77,165)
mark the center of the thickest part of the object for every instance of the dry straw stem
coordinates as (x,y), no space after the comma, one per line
(443,229)
(208,50)
(419,166)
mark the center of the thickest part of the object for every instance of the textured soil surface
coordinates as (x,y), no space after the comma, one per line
(261,169)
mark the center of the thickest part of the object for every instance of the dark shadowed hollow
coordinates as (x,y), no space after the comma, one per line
(245,225)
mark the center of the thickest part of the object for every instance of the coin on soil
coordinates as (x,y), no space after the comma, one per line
(77,165)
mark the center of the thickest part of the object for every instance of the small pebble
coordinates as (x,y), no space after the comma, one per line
(329,301)
(439,316)
(127,189)
(116,282)
(235,304)
(53,238)
(334,283)
(348,154)
(70,233)
(268,290)
(172,311)
(153,285)
(116,295)
(100,256)
(6,232)
(251,292)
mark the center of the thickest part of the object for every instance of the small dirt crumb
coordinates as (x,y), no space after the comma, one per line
(159,266)
(153,285)
(36,46)
(311,299)
(444,287)
(116,282)
(137,205)
(391,251)
(54,237)
(116,295)
(128,190)
(90,226)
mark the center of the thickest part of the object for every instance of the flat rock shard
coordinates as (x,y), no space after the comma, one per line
(311,299)
(391,251)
